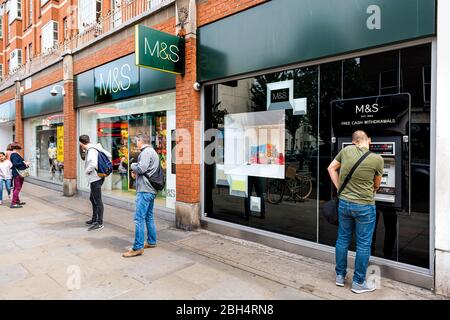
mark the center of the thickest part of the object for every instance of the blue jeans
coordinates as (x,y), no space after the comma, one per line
(144,217)
(361,219)
(7,183)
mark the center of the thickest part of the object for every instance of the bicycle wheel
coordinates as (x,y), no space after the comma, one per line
(303,188)
(275,191)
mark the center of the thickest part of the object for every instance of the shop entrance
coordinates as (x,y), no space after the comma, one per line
(116,125)
(117,133)
(49,164)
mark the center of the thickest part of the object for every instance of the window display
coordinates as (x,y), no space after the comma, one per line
(261,138)
(283,183)
(45,148)
(115,126)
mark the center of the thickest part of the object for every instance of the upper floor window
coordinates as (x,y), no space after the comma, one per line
(65,29)
(154,3)
(14,10)
(9,34)
(15,60)
(30,12)
(1,26)
(49,35)
(89,13)
(30,50)
(1,71)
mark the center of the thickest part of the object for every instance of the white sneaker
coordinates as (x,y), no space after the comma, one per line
(363,288)
(1,202)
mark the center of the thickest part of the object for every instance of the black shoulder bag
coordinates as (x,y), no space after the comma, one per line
(157,179)
(330,208)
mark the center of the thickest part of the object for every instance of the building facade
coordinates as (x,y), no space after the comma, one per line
(282,85)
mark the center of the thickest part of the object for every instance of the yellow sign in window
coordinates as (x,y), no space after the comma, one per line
(60,143)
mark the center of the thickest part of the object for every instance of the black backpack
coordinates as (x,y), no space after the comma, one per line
(157,179)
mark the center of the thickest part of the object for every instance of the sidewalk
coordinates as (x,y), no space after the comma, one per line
(41,245)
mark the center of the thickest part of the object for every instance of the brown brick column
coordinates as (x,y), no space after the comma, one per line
(188,115)
(19,121)
(187,207)
(70,129)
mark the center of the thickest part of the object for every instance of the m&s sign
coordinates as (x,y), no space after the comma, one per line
(159,50)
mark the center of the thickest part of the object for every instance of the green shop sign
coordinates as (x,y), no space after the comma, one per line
(284,32)
(119,79)
(159,50)
(41,102)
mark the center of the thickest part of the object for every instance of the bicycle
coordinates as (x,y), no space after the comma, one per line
(297,186)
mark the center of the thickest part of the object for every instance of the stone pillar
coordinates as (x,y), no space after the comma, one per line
(187,207)
(19,121)
(442,143)
(70,129)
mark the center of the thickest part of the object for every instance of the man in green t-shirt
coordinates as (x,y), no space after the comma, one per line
(357,210)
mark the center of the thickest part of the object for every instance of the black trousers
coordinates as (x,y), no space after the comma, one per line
(96,200)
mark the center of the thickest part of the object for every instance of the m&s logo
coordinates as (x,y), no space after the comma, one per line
(162,51)
(118,79)
(367,108)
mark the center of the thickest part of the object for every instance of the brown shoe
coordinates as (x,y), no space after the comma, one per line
(133,253)
(148,246)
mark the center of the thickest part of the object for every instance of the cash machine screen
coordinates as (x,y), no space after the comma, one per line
(383,149)
(386,193)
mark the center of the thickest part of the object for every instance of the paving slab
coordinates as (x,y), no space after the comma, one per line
(45,249)
(12,273)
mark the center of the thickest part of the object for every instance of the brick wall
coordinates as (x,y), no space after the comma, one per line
(23,33)
(188,111)
(70,132)
(117,50)
(212,10)
(8,94)
(46,78)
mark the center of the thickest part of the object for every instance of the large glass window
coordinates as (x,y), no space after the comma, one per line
(44,147)
(89,13)
(49,35)
(290,204)
(114,126)
(275,186)
(15,10)
(15,60)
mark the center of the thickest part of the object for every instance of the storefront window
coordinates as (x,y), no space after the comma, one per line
(7,120)
(267,175)
(399,82)
(45,147)
(114,126)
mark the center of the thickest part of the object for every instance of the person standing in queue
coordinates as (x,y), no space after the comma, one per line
(357,211)
(18,163)
(91,153)
(147,165)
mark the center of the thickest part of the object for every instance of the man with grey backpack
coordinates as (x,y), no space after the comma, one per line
(356,173)
(149,180)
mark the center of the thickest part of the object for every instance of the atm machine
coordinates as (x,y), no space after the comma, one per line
(390,148)
(386,119)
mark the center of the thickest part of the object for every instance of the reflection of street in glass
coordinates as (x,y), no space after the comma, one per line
(258,184)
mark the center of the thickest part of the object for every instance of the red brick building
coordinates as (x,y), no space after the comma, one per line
(83,52)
